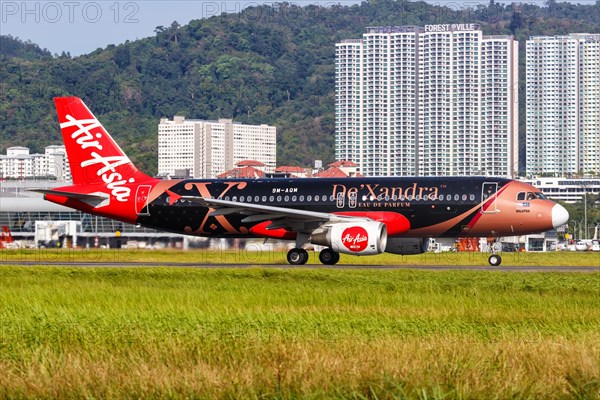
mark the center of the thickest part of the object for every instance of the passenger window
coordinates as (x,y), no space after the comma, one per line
(271,198)
(242,198)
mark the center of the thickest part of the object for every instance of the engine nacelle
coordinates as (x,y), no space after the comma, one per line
(361,238)
(406,246)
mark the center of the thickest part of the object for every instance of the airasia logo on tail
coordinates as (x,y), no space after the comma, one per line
(106,165)
(355,238)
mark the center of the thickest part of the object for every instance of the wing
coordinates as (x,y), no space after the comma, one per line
(280,217)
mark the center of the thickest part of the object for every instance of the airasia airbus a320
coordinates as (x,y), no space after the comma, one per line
(358,216)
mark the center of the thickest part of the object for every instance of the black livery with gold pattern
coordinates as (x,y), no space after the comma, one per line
(360,216)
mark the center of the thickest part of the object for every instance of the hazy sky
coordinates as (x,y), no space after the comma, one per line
(80,27)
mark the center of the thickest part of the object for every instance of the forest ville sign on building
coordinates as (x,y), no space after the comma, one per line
(451,27)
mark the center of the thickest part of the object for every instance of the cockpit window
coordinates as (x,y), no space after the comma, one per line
(528,196)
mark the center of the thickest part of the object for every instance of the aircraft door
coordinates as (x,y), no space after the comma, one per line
(488,190)
(340,200)
(141,200)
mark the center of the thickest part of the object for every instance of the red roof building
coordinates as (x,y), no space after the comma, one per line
(340,169)
(293,171)
(333,172)
(242,172)
(249,163)
(343,164)
(249,169)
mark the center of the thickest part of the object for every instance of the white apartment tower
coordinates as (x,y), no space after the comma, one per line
(19,163)
(437,100)
(205,149)
(563,104)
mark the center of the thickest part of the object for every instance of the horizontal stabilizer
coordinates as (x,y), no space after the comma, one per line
(97,199)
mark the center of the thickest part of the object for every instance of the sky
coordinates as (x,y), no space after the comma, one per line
(80,27)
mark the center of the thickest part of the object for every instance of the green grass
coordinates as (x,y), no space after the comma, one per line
(309,333)
(279,257)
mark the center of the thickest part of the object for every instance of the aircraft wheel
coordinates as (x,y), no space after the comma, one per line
(495,260)
(297,256)
(329,257)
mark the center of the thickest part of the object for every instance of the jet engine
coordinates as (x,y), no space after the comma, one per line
(361,238)
(406,246)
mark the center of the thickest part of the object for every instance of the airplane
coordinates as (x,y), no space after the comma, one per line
(357,216)
(589,244)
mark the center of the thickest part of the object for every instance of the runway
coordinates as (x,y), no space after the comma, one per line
(502,268)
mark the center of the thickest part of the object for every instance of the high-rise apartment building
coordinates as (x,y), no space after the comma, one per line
(205,149)
(433,100)
(563,104)
(19,163)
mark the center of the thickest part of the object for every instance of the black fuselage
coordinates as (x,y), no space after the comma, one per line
(423,201)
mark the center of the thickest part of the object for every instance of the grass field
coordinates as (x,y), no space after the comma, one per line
(310,333)
(217,256)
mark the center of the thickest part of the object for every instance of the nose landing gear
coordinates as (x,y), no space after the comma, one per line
(495,260)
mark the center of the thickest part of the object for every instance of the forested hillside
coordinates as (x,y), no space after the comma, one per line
(268,64)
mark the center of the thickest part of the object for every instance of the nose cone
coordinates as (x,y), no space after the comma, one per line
(560,216)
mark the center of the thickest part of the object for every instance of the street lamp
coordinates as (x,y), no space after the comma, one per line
(585,227)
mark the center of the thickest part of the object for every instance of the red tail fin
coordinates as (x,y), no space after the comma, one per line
(94,157)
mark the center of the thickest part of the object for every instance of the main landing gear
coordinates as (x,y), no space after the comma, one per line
(329,257)
(299,256)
